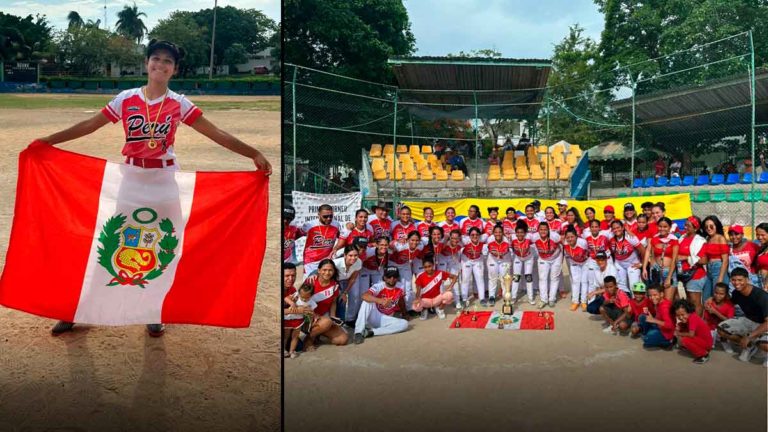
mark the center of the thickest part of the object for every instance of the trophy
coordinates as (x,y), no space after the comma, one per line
(474,312)
(506,309)
(547,318)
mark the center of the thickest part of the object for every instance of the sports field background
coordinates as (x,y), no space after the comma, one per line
(194,378)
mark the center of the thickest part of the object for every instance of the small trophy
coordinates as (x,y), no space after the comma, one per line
(474,313)
(546,321)
(506,309)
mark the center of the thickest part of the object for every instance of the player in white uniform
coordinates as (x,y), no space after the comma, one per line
(380,302)
(498,261)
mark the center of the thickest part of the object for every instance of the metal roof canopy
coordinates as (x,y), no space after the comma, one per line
(449,87)
(719,108)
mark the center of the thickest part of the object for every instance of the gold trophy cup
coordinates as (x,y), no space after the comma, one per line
(506,309)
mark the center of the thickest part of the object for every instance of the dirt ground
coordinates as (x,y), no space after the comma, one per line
(573,378)
(194,378)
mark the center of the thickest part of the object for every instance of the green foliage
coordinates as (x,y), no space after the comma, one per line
(129,23)
(181,29)
(235,54)
(74,20)
(83,50)
(26,38)
(349,37)
(110,241)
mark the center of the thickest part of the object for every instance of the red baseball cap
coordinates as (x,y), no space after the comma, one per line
(608,209)
(738,229)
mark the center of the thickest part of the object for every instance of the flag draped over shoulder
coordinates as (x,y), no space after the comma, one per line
(97,242)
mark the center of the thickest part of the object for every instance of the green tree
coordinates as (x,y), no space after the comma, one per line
(123,51)
(235,54)
(75,20)
(181,29)
(83,51)
(27,38)
(349,37)
(129,23)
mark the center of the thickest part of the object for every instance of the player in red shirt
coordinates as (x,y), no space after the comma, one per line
(550,264)
(472,268)
(404,226)
(716,254)
(589,214)
(326,293)
(692,332)
(627,252)
(644,231)
(509,223)
(376,259)
(717,309)
(658,330)
(530,219)
(379,222)
(615,309)
(659,211)
(493,214)
(661,255)
(522,261)
(291,233)
(359,230)
(150,116)
(572,219)
(609,215)
(562,209)
(322,238)
(576,253)
(449,224)
(688,257)
(473,220)
(424,226)
(498,261)
(745,251)
(407,258)
(630,218)
(555,224)
(429,289)
(640,305)
(380,303)
(450,260)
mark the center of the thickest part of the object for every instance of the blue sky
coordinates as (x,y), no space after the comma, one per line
(57,10)
(516,28)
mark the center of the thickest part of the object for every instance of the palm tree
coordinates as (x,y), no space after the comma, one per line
(75,20)
(129,23)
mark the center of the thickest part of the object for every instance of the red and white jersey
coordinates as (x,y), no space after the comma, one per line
(433,249)
(374,263)
(576,255)
(564,226)
(606,224)
(381,290)
(324,296)
(448,227)
(509,227)
(522,249)
(430,285)
(498,251)
(380,227)
(624,249)
(630,226)
(400,232)
(468,223)
(290,234)
(350,236)
(596,244)
(424,227)
(555,225)
(489,225)
(320,240)
(129,106)
(663,245)
(472,251)
(403,255)
(533,224)
(548,249)
(451,255)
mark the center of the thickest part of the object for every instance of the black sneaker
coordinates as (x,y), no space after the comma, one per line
(432,311)
(358,338)
(367,333)
(492,301)
(701,360)
(61,327)
(155,330)
(413,313)
(483,303)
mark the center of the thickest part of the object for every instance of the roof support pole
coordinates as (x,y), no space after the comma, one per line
(395,200)
(632,155)
(293,124)
(753,96)
(477,148)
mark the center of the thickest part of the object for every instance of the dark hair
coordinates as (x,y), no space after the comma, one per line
(324,207)
(429,258)
(682,303)
(498,226)
(700,230)
(740,271)
(157,45)
(668,221)
(724,286)
(405,207)
(361,211)
(715,220)
(512,209)
(477,209)
(608,279)
(594,222)
(427,208)
(544,224)
(454,231)
(335,270)
(531,206)
(306,287)
(474,229)
(413,233)
(550,207)
(763,247)
(450,208)
(576,215)
(383,237)
(617,222)
(521,225)
(438,228)
(289,266)
(349,248)
(590,208)
(646,205)
(661,206)
(654,287)
(570,229)
(642,215)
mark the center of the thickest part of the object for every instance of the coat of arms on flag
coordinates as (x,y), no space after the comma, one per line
(129,245)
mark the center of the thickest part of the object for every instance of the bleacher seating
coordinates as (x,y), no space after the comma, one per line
(702,180)
(662,181)
(675,181)
(688,180)
(717,179)
(763,177)
(732,179)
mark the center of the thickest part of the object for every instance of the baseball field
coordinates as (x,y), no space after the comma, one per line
(194,378)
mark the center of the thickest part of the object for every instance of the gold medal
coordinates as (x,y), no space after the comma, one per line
(152,144)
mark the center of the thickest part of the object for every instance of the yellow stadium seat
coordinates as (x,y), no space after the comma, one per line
(377,164)
(398,175)
(565,173)
(494,176)
(380,175)
(375,150)
(431,158)
(457,175)
(537,175)
(542,149)
(403,157)
(426,149)
(388,149)
(401,148)
(552,174)
(426,175)
(576,150)
(558,160)
(421,164)
(508,175)
(520,161)
(413,150)
(494,168)
(523,175)
(411,175)
(571,160)
(441,175)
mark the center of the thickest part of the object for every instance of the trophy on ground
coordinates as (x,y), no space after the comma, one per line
(506,309)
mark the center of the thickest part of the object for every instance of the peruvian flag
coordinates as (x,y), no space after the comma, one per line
(520,320)
(104,243)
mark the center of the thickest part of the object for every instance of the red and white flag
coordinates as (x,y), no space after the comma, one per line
(97,242)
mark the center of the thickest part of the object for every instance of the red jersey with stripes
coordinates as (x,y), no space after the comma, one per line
(489,225)
(374,262)
(645,235)
(606,224)
(130,107)
(448,227)
(433,249)
(548,249)
(350,236)
(423,228)
(555,225)
(533,224)
(381,290)
(576,255)
(564,226)
(746,255)
(498,250)
(509,227)
(624,249)
(596,244)
(324,296)
(472,251)
(664,246)
(452,252)
(400,232)
(320,240)
(430,285)
(403,255)
(380,227)
(468,223)
(630,226)
(290,234)
(522,249)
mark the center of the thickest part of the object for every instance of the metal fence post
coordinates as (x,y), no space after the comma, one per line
(293,123)
(395,199)
(752,91)
(477,149)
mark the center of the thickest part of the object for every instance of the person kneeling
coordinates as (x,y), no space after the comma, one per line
(658,330)
(691,331)
(379,304)
(428,293)
(750,331)
(615,308)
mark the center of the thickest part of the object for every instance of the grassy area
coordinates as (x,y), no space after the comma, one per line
(95,102)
